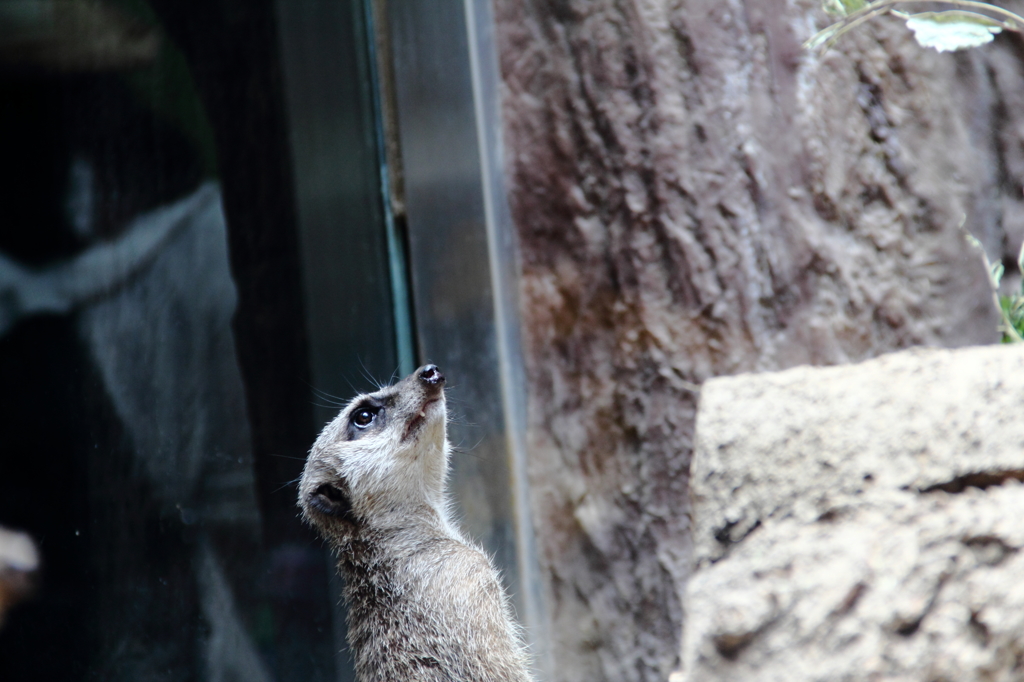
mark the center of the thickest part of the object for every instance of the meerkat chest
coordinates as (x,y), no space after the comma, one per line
(433,613)
(431,580)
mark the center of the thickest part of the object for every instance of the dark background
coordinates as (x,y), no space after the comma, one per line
(120,593)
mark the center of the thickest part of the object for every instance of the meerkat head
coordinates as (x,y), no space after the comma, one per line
(384,454)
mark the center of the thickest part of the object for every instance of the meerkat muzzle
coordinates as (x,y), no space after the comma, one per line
(431,377)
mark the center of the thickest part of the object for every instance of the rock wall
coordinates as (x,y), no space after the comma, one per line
(861,522)
(695,196)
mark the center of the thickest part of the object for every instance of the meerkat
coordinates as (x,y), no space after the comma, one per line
(424,603)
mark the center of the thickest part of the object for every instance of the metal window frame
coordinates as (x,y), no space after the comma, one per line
(462,262)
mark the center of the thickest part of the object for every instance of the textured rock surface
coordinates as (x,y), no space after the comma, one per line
(861,522)
(695,196)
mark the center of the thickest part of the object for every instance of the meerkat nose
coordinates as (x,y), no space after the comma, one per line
(431,376)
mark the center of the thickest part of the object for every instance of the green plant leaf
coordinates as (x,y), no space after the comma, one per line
(1020,267)
(842,8)
(953,29)
(996,273)
(1012,308)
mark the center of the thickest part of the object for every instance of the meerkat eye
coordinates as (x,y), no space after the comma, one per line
(363,417)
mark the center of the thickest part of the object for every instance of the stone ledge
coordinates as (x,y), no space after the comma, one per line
(861,522)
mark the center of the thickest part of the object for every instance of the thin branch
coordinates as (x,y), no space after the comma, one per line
(827,37)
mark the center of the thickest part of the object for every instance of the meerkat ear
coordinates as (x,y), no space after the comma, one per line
(333,500)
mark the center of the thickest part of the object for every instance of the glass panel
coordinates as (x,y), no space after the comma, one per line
(169,301)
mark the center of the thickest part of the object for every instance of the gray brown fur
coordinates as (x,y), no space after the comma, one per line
(424,603)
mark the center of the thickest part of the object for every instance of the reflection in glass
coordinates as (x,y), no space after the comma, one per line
(127,454)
